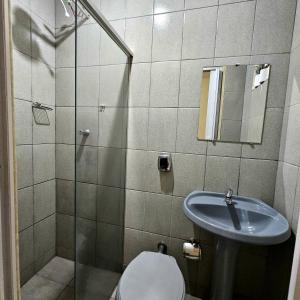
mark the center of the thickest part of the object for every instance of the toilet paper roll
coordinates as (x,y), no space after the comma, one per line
(191,251)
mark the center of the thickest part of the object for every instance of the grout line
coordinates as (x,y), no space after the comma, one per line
(31,57)
(33,193)
(97,221)
(174,60)
(204,242)
(34,184)
(98,155)
(216,32)
(176,152)
(150,82)
(253,27)
(143,107)
(179,82)
(205,167)
(37,222)
(239,175)
(179,10)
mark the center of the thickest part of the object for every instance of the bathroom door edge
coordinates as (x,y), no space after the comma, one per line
(294,289)
(9,262)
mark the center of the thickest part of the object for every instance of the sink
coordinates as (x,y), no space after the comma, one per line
(246,220)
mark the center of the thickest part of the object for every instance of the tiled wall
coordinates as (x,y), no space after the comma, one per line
(65,133)
(171,41)
(34,80)
(287,196)
(100,158)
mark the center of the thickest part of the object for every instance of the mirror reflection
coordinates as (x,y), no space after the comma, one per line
(232,103)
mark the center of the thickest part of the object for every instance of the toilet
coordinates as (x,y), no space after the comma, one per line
(151,276)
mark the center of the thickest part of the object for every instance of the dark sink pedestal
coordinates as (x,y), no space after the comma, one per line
(226,253)
(240,220)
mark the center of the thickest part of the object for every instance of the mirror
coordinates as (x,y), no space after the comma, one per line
(233,103)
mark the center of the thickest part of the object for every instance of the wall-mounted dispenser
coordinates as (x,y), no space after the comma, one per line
(164,162)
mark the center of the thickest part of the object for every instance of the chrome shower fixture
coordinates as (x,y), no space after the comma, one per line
(71,3)
(65,9)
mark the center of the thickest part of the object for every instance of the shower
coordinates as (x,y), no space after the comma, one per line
(63,190)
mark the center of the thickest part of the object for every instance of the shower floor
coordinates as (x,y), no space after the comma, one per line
(56,282)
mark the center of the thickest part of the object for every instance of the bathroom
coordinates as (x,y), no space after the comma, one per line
(115,119)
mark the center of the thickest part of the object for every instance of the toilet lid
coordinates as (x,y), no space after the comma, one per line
(152,276)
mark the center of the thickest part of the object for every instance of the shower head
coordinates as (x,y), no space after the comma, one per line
(65,9)
(80,12)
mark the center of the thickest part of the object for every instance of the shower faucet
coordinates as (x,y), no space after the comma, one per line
(85,132)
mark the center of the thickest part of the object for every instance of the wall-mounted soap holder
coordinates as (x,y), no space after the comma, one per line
(40,113)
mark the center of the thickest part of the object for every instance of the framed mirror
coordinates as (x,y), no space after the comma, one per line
(233,103)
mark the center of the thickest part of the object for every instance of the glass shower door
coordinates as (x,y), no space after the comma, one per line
(101,125)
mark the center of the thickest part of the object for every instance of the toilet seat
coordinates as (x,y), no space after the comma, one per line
(151,276)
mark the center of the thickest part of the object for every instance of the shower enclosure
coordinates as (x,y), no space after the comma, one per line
(101,127)
(71,74)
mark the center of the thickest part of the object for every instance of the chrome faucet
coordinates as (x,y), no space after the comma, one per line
(228,196)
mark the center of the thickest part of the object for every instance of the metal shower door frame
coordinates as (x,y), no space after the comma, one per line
(104,23)
(111,32)
(9,248)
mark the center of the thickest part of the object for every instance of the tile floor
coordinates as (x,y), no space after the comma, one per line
(95,284)
(56,282)
(50,282)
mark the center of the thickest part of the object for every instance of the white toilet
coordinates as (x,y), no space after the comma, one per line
(152,276)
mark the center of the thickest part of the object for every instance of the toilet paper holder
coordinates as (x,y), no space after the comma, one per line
(192,250)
